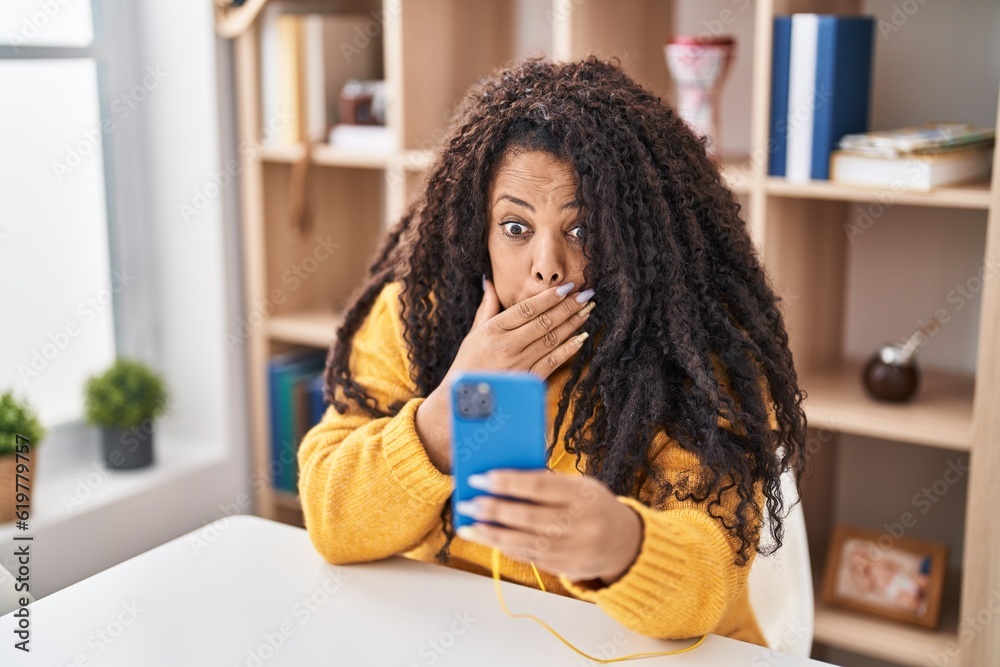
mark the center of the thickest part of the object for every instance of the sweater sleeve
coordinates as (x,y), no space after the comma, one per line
(684,578)
(367,487)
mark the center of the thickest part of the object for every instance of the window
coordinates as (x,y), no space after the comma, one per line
(61,281)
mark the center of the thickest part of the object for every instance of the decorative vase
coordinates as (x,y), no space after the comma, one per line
(125,449)
(699,66)
(892,374)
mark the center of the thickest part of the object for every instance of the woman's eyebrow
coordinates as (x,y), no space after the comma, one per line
(521,202)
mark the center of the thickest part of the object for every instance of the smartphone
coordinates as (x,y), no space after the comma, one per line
(497,421)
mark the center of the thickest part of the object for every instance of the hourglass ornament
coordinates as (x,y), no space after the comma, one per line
(699,65)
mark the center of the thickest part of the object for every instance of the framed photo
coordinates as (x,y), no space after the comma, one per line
(875,572)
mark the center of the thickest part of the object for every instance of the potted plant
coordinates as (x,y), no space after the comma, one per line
(125,401)
(16,419)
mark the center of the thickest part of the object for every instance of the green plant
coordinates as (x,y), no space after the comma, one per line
(17,418)
(125,395)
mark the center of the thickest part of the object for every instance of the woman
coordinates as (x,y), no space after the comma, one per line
(571,226)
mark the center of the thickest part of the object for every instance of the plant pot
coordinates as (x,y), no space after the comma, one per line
(127,449)
(8,483)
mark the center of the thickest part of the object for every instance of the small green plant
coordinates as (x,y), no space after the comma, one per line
(125,395)
(17,418)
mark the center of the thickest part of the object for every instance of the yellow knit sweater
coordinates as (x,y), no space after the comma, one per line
(369,491)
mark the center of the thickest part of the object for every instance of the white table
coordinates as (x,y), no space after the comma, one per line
(254,593)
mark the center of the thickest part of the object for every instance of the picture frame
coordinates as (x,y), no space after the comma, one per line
(875,572)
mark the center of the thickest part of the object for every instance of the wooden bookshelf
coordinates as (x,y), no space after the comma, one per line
(432,51)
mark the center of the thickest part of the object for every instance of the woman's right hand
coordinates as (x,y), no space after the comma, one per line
(534,335)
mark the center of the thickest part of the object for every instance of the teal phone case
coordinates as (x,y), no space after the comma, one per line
(497,421)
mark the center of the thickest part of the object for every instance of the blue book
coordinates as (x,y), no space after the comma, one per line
(316,401)
(282,369)
(780,55)
(843,81)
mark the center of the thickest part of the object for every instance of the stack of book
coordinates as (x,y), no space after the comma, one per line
(295,382)
(919,158)
(306,58)
(820,81)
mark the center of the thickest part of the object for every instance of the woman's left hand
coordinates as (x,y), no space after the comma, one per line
(575,526)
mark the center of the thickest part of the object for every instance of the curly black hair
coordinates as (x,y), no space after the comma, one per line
(681,288)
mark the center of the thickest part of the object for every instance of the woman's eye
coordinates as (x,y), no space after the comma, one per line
(513,228)
(578,232)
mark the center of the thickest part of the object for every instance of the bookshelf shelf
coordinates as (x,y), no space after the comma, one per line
(900,644)
(328,156)
(972,196)
(312,329)
(940,415)
(416,161)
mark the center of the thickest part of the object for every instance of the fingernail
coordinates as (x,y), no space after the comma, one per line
(586,309)
(481,482)
(584,297)
(467,533)
(564,289)
(467,507)
(582,337)
(484,282)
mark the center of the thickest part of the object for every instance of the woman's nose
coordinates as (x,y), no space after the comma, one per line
(550,263)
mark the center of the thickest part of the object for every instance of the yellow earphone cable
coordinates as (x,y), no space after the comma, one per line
(632,656)
(541,585)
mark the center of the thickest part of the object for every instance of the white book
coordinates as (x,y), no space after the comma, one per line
(801,97)
(374,138)
(270,89)
(916,172)
(317,115)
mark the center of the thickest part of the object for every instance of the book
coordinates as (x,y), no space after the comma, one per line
(284,371)
(282,77)
(821,77)
(802,95)
(781,53)
(911,172)
(317,402)
(843,67)
(374,138)
(933,137)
